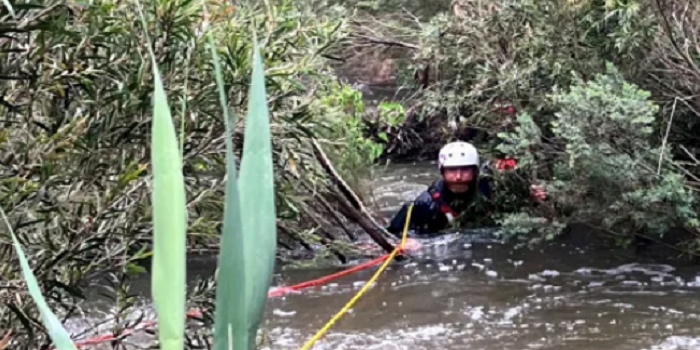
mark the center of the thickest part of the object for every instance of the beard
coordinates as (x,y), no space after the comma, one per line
(458,187)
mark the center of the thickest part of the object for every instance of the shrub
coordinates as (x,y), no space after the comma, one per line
(602,165)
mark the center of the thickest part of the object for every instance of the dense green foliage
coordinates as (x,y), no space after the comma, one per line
(246,265)
(605,99)
(77,88)
(604,167)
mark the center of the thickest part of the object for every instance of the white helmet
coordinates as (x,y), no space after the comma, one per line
(458,154)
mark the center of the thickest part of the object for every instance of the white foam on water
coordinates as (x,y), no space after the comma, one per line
(678,343)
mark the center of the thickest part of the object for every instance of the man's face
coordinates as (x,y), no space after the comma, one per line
(458,179)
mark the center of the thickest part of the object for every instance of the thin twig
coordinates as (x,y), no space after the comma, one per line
(665,140)
(384,41)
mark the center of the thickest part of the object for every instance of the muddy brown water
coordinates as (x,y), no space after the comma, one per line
(460,294)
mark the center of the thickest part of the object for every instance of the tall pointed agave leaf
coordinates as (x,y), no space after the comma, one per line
(58,334)
(230,294)
(169,224)
(258,196)
(168,283)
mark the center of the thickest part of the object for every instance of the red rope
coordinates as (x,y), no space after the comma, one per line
(284,290)
(274,292)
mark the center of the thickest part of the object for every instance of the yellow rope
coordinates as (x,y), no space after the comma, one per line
(362,291)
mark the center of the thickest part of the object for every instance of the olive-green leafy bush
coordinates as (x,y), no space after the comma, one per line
(77,84)
(605,168)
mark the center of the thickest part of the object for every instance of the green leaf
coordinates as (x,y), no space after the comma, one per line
(169,224)
(229,319)
(257,192)
(168,283)
(58,334)
(248,247)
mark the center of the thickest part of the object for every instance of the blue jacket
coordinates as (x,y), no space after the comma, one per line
(435,208)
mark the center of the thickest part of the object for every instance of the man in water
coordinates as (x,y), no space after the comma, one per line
(461,185)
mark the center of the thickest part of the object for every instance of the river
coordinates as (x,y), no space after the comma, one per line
(487,295)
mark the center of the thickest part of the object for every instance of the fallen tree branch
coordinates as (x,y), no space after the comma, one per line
(332,213)
(351,201)
(351,212)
